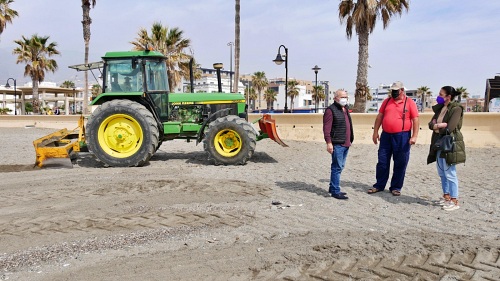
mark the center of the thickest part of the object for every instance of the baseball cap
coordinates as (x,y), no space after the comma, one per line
(397,85)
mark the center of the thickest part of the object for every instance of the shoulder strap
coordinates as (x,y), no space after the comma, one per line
(404,115)
(384,103)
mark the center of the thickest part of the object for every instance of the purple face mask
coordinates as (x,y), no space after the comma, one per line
(440,100)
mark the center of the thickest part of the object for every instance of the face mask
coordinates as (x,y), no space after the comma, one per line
(343,101)
(395,94)
(440,100)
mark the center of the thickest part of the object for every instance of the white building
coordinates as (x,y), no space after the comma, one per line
(50,96)
(208,82)
(382,92)
(304,101)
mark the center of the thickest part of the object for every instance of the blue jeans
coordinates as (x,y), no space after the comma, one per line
(448,175)
(339,156)
(396,146)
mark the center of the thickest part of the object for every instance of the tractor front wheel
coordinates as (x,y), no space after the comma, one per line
(230,140)
(122,133)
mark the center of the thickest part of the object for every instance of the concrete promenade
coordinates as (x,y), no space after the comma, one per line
(479,129)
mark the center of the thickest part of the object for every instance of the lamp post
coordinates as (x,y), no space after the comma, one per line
(230,44)
(15,93)
(218,66)
(316,69)
(279,60)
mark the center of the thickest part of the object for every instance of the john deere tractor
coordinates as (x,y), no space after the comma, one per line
(136,114)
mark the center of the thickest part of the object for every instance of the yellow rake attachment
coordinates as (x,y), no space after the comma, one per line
(60,144)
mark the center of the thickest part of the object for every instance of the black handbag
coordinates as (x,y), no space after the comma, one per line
(445,143)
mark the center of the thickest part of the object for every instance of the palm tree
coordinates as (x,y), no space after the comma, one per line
(362,15)
(35,52)
(6,14)
(236,46)
(270,97)
(462,93)
(318,94)
(293,92)
(86,38)
(259,82)
(423,92)
(251,96)
(96,90)
(67,84)
(170,42)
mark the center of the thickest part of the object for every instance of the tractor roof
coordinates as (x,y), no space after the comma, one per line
(128,54)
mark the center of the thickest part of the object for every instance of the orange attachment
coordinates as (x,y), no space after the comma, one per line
(268,126)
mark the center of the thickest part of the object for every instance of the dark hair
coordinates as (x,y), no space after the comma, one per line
(450,91)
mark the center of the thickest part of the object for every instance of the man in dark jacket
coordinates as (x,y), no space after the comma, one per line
(339,135)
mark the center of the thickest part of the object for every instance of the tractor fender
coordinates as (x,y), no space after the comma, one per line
(212,117)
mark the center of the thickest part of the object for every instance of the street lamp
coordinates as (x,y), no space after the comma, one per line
(15,93)
(316,69)
(279,60)
(230,44)
(218,66)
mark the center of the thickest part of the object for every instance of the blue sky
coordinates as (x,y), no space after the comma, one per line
(437,43)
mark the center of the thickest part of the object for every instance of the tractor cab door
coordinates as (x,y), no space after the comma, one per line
(156,85)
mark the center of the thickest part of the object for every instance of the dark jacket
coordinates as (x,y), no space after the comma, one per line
(453,117)
(338,131)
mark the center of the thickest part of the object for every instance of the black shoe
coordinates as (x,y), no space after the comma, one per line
(341,193)
(340,196)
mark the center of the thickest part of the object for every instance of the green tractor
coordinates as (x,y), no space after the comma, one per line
(136,114)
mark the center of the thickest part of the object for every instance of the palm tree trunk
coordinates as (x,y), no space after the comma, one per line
(86,38)
(36,97)
(362,75)
(236,47)
(260,100)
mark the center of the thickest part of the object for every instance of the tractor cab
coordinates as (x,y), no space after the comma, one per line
(141,73)
(137,75)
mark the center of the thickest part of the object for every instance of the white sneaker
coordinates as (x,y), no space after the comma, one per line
(443,202)
(451,206)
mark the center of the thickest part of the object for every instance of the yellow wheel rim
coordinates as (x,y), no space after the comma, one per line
(227,143)
(120,136)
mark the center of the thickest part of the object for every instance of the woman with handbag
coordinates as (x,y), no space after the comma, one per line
(447,120)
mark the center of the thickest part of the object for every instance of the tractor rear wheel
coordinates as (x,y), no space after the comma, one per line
(230,140)
(122,133)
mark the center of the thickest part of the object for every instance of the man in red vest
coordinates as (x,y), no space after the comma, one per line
(339,135)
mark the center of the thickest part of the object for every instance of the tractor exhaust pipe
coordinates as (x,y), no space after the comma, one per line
(191,77)
(218,67)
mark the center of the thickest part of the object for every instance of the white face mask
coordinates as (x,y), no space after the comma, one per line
(343,101)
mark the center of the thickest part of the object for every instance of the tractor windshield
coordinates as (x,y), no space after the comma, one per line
(156,75)
(121,76)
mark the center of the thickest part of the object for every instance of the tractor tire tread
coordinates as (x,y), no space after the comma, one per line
(249,139)
(117,106)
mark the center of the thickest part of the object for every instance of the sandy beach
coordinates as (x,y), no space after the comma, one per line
(182,218)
